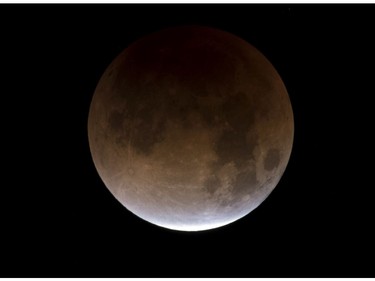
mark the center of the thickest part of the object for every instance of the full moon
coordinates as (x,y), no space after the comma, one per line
(190,128)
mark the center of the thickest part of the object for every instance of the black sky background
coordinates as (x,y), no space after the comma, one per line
(59,220)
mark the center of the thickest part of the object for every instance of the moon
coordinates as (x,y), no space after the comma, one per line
(190,128)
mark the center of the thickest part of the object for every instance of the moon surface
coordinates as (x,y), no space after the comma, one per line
(190,128)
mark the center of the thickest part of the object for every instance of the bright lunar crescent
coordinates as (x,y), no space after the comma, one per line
(190,128)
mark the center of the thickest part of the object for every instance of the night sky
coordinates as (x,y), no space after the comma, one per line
(59,220)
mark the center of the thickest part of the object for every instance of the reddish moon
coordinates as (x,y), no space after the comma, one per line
(190,128)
